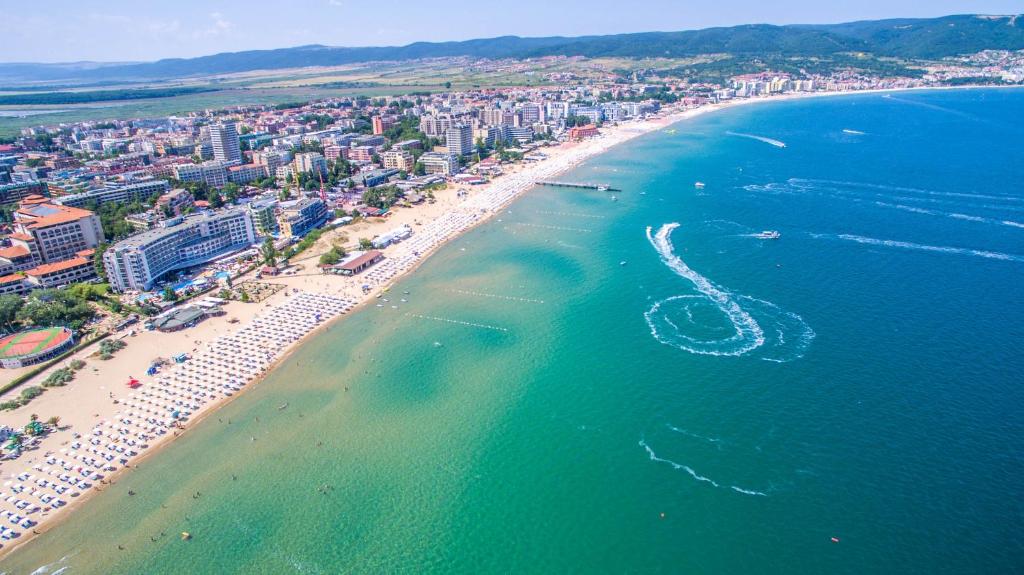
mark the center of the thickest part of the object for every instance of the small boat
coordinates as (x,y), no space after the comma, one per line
(602,188)
(282,406)
(699,185)
(768,235)
(614,199)
(622,263)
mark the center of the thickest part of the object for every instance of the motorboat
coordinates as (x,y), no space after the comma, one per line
(768,235)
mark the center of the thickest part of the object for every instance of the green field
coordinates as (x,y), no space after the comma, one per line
(278,86)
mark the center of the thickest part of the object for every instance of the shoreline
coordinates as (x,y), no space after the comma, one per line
(478,208)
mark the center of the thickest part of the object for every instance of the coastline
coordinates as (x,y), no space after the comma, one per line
(473,212)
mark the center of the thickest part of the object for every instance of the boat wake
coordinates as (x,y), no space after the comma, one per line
(712,440)
(922,247)
(773,142)
(903,199)
(697,476)
(694,322)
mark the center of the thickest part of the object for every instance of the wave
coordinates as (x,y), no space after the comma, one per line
(773,142)
(743,332)
(924,247)
(697,476)
(853,132)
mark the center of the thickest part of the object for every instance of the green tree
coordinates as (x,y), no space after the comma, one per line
(365,243)
(231,190)
(9,306)
(169,294)
(51,307)
(269,252)
(101,270)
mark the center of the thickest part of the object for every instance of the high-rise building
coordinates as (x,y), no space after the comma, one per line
(138,262)
(459,140)
(226,146)
(311,162)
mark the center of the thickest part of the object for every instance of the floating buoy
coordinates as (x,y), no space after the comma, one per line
(662,514)
(185,536)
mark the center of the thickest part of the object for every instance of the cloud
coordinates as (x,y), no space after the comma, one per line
(337,3)
(219,26)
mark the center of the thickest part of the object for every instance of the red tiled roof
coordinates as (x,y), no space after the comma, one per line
(359,261)
(11,279)
(13,252)
(55,267)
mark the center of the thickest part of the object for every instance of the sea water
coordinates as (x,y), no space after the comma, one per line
(643,385)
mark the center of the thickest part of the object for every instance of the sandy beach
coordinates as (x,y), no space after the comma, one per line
(107,427)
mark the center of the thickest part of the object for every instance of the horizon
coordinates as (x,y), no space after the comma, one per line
(211,29)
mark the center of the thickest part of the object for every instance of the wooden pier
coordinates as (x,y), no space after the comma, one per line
(599,187)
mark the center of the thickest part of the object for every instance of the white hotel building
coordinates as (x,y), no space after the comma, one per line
(140,261)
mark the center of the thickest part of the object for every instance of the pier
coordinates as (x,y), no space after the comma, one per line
(599,187)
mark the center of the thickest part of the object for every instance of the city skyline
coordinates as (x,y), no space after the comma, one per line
(190,28)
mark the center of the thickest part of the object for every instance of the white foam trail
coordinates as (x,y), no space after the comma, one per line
(853,132)
(713,440)
(927,248)
(936,108)
(776,143)
(695,475)
(748,334)
(746,315)
(799,181)
(954,215)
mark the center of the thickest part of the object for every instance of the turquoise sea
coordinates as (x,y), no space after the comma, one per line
(696,401)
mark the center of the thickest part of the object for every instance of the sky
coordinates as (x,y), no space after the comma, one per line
(123,30)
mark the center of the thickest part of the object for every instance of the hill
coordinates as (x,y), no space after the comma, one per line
(928,38)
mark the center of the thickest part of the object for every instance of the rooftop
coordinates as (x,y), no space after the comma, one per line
(56,267)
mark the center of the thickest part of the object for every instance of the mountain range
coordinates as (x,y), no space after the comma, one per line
(920,38)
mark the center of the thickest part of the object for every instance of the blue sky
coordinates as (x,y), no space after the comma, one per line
(120,30)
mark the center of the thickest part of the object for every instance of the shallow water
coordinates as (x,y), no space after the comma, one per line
(537,406)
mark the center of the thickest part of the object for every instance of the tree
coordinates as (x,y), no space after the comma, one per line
(97,262)
(419,169)
(231,192)
(330,258)
(365,244)
(447,85)
(169,294)
(9,306)
(269,252)
(285,195)
(52,307)
(215,200)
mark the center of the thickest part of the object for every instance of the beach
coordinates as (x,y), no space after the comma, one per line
(98,402)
